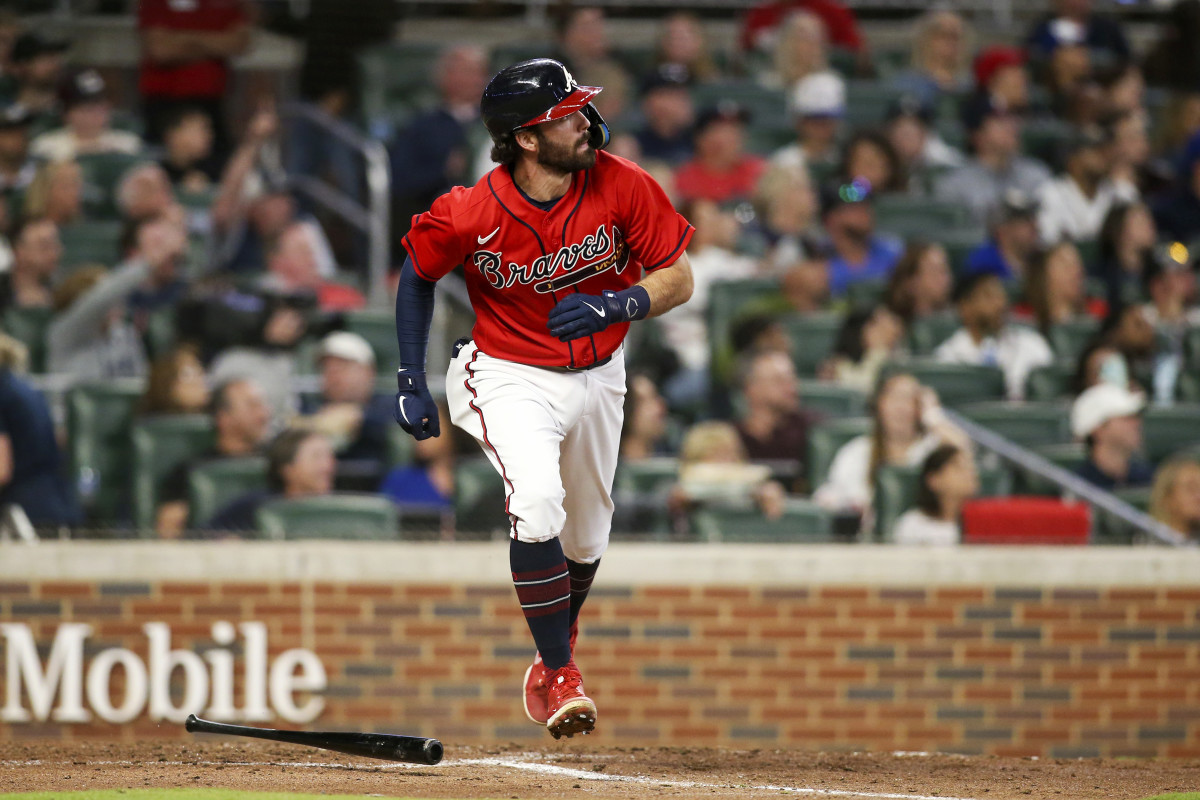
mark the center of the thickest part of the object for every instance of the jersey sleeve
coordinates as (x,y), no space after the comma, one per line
(433,242)
(656,233)
(153,14)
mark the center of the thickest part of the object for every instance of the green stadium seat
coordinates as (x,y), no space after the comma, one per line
(1050,382)
(955,384)
(212,485)
(813,337)
(1068,455)
(336,516)
(160,444)
(640,492)
(99,418)
(727,302)
(479,498)
(1192,347)
(802,521)
(767,105)
(102,173)
(646,476)
(865,294)
(867,102)
(1027,424)
(908,216)
(826,439)
(1110,530)
(397,79)
(1044,140)
(926,333)
(379,329)
(29,325)
(832,400)
(959,242)
(1167,430)
(1187,389)
(91,242)
(896,492)
(1068,339)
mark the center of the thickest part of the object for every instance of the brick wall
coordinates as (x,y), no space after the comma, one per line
(1002,669)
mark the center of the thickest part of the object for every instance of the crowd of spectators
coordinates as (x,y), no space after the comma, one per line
(860,214)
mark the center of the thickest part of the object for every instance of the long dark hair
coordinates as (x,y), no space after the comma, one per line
(897,182)
(898,296)
(927,500)
(850,337)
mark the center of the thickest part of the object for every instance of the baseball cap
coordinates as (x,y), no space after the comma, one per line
(910,105)
(1014,204)
(347,345)
(978,107)
(822,94)
(83,87)
(724,111)
(15,115)
(31,44)
(993,59)
(667,76)
(1100,403)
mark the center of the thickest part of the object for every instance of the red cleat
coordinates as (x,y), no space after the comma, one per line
(537,685)
(571,711)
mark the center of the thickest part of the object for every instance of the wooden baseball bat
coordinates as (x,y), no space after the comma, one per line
(387,746)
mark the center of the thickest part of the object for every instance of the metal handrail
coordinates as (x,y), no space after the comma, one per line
(373,218)
(1092,494)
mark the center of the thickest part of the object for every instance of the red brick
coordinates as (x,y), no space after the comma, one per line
(1104,693)
(842,633)
(849,672)
(1075,714)
(813,612)
(692,611)
(376,590)
(988,653)
(844,593)
(1133,674)
(759,692)
(1154,654)
(222,610)
(1168,694)
(1074,674)
(755,612)
(424,591)
(454,651)
(725,632)
(1051,735)
(694,732)
(827,692)
(903,712)
(693,651)
(841,713)
(959,594)
(1128,595)
(775,633)
(1045,613)
(639,611)
(421,630)
(902,633)
(815,652)
(1183,750)
(725,673)
(288,608)
(812,734)
(674,711)
(1189,594)
(157,608)
(777,712)
(1004,693)
(671,592)
(1065,634)
(1104,614)
(623,650)
(902,673)
(1133,713)
(1171,615)
(876,613)
(53,589)
(931,613)
(233,589)
(725,592)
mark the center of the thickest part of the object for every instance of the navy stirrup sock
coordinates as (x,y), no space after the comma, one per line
(581,582)
(539,571)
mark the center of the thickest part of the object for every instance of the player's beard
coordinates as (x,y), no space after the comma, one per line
(563,158)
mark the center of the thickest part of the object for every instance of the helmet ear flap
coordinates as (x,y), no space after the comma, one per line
(598,133)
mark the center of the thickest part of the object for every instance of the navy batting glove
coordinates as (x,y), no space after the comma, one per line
(415,408)
(580,315)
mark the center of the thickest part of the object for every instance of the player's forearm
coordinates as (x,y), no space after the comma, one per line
(414,314)
(668,287)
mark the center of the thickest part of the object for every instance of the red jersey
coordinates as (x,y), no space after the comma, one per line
(694,182)
(205,78)
(613,224)
(761,21)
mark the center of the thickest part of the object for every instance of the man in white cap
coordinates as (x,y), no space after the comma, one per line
(1106,417)
(348,410)
(818,104)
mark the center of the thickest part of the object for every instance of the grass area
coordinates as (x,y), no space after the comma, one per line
(175,794)
(1176,796)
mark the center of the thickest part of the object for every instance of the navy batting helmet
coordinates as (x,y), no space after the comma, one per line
(536,91)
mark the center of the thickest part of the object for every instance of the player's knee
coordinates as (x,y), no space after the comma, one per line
(538,514)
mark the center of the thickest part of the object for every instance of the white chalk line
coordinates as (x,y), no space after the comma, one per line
(529,766)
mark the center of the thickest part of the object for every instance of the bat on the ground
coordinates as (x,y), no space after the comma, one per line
(387,746)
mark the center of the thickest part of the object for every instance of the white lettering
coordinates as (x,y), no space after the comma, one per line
(285,683)
(63,675)
(221,702)
(256,671)
(163,661)
(99,681)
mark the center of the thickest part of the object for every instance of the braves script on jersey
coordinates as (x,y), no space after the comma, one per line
(613,223)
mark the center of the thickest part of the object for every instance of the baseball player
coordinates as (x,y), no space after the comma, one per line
(563,245)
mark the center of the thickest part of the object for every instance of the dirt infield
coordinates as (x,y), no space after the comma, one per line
(574,769)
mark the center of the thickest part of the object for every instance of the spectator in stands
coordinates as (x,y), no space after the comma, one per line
(1073,23)
(868,157)
(869,338)
(948,479)
(1131,149)
(921,284)
(1173,61)
(300,464)
(349,412)
(722,169)
(1127,239)
(10,28)
(144,192)
(685,329)
(785,221)
(37,252)
(175,384)
(1013,239)
(240,418)
(581,33)
(857,252)
(682,46)
(800,50)
(31,468)
(186,50)
(995,165)
(188,145)
(1177,212)
(760,27)
(919,148)
(1106,418)
(644,429)
(940,53)
(1074,204)
(16,167)
(56,193)
(1129,330)
(90,336)
(1170,282)
(432,152)
(908,425)
(986,336)
(666,134)
(817,104)
(1054,288)
(37,64)
(1101,363)
(773,424)
(87,118)
(713,468)
(1175,495)
(999,72)
(293,266)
